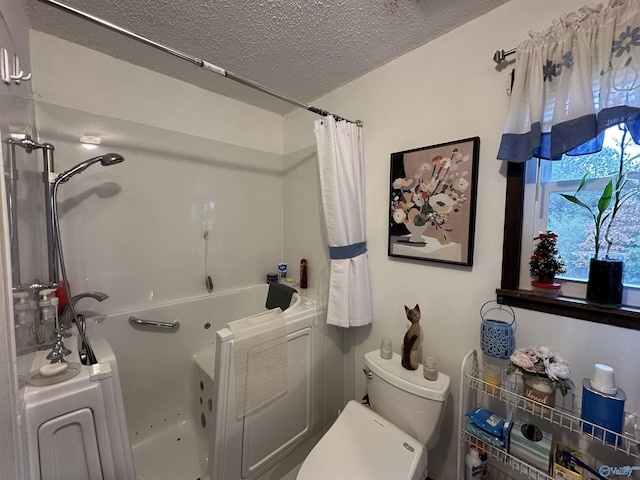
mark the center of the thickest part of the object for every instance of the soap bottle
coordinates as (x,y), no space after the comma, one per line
(303,273)
(484,458)
(24,322)
(282,272)
(46,331)
(61,295)
(473,470)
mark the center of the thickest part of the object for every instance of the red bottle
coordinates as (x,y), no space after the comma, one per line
(303,273)
(61,293)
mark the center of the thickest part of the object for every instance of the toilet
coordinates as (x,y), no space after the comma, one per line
(388,440)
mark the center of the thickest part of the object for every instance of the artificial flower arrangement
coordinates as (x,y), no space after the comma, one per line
(434,193)
(541,362)
(545,263)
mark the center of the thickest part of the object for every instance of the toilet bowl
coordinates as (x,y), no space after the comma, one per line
(362,445)
(390,439)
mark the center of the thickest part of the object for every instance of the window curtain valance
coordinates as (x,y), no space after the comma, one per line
(573,81)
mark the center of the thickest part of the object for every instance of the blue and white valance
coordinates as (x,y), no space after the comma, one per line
(573,81)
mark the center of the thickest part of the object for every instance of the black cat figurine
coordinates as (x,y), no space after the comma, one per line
(411,342)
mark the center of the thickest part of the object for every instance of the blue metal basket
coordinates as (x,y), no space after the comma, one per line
(497,337)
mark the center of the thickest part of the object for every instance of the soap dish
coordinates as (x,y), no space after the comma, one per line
(40,378)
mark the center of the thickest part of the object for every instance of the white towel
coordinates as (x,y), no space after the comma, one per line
(260,356)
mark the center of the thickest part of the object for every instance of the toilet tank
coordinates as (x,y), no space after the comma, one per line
(405,397)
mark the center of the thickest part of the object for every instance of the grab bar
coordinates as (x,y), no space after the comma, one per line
(153,323)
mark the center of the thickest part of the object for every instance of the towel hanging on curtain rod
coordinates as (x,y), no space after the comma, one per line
(195,60)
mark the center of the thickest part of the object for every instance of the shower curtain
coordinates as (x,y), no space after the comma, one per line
(341,164)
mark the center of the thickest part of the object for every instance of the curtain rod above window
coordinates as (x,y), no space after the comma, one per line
(500,56)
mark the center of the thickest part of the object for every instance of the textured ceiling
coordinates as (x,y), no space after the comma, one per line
(300,48)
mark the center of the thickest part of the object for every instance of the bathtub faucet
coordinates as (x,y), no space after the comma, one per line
(67,316)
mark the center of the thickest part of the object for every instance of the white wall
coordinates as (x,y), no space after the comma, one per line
(135,230)
(443,91)
(76,77)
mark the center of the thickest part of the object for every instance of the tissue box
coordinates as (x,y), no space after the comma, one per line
(566,469)
(530,443)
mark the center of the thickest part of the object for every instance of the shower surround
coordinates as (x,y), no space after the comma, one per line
(137,233)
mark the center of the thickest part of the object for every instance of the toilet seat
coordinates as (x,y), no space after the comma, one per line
(362,445)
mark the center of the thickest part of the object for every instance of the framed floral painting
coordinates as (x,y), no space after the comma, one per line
(433,202)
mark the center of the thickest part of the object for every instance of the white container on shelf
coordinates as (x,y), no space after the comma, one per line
(473,464)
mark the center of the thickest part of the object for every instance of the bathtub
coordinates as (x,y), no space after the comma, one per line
(178,386)
(76,429)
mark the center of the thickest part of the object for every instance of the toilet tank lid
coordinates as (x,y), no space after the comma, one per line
(411,381)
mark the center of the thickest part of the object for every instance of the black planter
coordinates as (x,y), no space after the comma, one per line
(604,288)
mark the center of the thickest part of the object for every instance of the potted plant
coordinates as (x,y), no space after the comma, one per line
(545,263)
(543,371)
(604,286)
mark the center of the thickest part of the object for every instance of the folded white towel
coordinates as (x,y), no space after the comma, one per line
(260,358)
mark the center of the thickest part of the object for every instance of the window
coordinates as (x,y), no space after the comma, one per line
(571,81)
(574,225)
(534,204)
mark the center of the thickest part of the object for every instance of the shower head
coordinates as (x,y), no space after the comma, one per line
(106,160)
(111,159)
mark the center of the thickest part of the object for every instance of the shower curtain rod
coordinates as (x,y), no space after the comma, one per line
(195,60)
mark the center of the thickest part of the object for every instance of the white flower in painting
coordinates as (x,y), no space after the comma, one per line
(399,215)
(418,199)
(425,167)
(441,203)
(461,184)
(397,183)
(466,158)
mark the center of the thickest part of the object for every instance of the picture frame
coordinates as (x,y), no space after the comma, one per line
(432,202)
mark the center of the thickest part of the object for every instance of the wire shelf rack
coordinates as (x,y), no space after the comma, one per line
(566,412)
(522,467)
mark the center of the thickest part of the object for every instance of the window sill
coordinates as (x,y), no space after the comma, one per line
(626,317)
